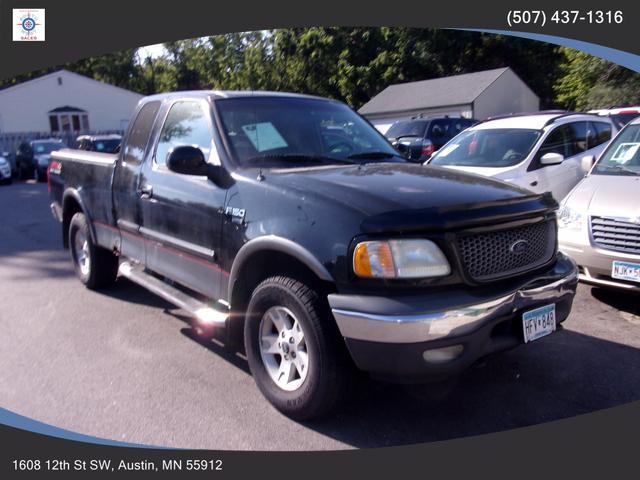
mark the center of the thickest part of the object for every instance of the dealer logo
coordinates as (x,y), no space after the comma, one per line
(28,24)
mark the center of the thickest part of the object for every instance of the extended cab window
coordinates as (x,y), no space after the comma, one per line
(136,144)
(187,123)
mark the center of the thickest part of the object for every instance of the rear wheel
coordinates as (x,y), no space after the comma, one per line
(295,353)
(96,267)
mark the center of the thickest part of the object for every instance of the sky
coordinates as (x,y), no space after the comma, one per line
(154,51)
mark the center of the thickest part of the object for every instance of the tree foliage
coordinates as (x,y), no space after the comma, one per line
(354,64)
(590,82)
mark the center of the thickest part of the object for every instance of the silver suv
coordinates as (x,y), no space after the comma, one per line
(600,219)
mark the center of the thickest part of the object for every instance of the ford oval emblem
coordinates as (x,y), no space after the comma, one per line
(519,247)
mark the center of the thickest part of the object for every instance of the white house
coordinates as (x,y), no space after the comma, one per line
(63,101)
(471,95)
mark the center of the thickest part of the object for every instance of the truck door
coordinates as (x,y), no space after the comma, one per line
(126,182)
(182,215)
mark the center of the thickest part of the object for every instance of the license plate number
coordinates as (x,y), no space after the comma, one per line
(626,271)
(539,322)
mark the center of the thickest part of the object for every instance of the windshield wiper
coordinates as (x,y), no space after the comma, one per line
(622,168)
(357,156)
(297,157)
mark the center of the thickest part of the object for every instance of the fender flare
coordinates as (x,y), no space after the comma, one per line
(279,244)
(74,194)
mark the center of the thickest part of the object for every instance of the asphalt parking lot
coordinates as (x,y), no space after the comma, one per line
(121,364)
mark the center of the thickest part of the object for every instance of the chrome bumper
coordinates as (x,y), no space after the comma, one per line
(456,320)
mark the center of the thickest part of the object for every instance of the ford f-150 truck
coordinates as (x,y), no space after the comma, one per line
(289,224)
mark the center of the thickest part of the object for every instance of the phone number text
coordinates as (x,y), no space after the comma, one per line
(564,17)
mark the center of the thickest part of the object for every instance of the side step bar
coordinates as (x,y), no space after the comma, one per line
(198,309)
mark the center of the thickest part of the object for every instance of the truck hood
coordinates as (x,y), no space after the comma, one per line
(607,196)
(403,196)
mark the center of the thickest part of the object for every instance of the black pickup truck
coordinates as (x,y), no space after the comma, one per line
(289,223)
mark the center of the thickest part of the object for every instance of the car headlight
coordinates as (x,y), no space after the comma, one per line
(570,218)
(399,259)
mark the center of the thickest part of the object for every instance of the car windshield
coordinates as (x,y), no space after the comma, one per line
(46,147)
(106,146)
(489,147)
(271,132)
(622,156)
(414,128)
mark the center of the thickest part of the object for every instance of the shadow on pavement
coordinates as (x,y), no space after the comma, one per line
(566,375)
(621,300)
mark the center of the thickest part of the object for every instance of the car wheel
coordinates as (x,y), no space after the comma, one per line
(295,353)
(96,267)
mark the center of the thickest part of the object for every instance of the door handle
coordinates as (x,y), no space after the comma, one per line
(145,191)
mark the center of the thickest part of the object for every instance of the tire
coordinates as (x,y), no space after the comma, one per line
(313,390)
(96,267)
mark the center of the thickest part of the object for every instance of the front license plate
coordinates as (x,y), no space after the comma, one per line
(626,271)
(539,322)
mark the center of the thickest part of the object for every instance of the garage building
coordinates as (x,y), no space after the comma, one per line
(470,95)
(63,101)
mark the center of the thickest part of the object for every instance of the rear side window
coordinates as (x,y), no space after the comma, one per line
(136,144)
(602,133)
(186,124)
(409,128)
(439,129)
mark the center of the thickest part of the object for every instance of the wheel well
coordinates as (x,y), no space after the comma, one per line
(258,267)
(69,209)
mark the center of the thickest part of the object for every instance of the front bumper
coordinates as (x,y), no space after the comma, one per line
(596,263)
(389,336)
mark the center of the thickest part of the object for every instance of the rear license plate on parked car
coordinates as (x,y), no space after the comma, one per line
(626,271)
(539,322)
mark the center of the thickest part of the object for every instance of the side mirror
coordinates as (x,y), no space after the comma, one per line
(187,160)
(587,162)
(551,158)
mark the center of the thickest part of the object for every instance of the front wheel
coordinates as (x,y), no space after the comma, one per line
(295,353)
(96,267)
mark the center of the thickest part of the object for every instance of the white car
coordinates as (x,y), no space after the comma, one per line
(543,152)
(620,116)
(5,170)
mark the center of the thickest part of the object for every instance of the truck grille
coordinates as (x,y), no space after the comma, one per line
(493,255)
(614,234)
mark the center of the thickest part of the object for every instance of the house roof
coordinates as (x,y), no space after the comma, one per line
(437,92)
(64,72)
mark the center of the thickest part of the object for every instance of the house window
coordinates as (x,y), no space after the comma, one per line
(68,119)
(53,121)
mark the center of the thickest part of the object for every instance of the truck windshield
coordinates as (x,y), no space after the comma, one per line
(622,156)
(287,131)
(491,147)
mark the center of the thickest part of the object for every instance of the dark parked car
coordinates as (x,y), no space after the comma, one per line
(244,210)
(99,143)
(417,139)
(32,158)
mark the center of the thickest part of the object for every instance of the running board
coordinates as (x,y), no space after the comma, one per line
(198,309)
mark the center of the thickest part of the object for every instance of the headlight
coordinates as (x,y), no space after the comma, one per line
(569,218)
(399,259)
